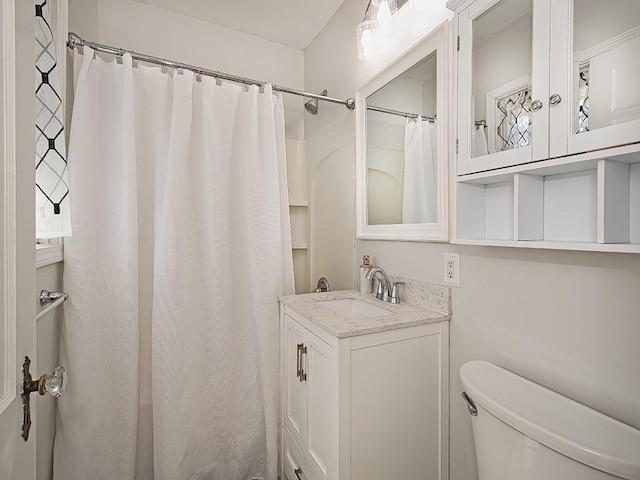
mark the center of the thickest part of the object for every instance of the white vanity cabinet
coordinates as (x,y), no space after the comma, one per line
(548,124)
(372,406)
(548,78)
(309,401)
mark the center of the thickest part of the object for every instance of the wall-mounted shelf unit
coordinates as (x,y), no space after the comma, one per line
(572,203)
(558,164)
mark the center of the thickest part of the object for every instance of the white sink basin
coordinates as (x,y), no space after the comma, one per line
(353,308)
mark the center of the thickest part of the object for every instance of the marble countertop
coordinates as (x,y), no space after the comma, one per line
(400,315)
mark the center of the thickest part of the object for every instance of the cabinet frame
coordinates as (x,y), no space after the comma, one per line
(562,140)
(613,151)
(463,69)
(339,396)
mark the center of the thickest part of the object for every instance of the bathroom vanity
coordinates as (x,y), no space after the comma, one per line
(364,388)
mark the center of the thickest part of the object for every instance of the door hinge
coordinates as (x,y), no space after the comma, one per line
(457,146)
(458,44)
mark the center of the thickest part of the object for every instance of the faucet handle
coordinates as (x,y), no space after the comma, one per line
(380,291)
(395,297)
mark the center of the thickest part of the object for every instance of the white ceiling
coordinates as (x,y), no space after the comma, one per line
(294,23)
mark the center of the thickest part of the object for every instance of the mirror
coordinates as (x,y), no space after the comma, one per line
(501,98)
(605,63)
(401,147)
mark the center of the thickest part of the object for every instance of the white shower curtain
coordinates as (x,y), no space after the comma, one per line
(181,247)
(419,199)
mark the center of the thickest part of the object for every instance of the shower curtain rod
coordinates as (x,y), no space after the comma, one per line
(77,42)
(399,113)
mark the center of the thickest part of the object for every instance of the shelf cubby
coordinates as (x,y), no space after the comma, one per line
(634,203)
(561,207)
(485,210)
(619,210)
(570,206)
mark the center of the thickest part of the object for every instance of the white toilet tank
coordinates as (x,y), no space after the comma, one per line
(523,431)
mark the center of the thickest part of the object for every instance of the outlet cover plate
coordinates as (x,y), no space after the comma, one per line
(451,269)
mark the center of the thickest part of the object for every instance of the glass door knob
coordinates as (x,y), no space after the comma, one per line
(54,384)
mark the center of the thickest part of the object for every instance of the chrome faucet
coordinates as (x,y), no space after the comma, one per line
(387,291)
(383,292)
(322,286)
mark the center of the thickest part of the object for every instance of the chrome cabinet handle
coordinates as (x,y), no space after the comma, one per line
(536,105)
(303,351)
(298,360)
(555,99)
(298,472)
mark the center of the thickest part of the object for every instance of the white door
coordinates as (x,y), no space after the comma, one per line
(17,230)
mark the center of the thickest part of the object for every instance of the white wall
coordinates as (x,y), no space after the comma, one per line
(47,340)
(331,175)
(147,29)
(567,320)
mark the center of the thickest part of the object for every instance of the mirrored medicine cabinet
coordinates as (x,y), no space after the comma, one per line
(401,147)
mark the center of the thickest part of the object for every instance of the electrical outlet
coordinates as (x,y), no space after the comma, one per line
(451,269)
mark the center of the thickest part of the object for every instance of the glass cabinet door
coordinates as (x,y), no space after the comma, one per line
(595,75)
(503,75)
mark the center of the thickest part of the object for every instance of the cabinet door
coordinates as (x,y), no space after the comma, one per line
(396,410)
(295,389)
(503,84)
(595,67)
(322,420)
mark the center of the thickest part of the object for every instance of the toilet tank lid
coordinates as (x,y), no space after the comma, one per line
(561,424)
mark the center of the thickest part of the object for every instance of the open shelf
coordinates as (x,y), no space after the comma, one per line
(619,211)
(298,218)
(485,211)
(634,203)
(589,205)
(556,208)
(570,207)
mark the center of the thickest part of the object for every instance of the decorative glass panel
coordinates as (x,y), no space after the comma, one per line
(514,120)
(583,100)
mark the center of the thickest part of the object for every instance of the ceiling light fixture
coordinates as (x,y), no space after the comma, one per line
(374,32)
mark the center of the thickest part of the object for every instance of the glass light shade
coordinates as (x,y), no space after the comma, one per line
(367,40)
(384,12)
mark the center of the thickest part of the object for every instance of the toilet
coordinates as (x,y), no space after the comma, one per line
(524,431)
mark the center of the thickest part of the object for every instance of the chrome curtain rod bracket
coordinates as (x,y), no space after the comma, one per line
(47,297)
(51,301)
(75,41)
